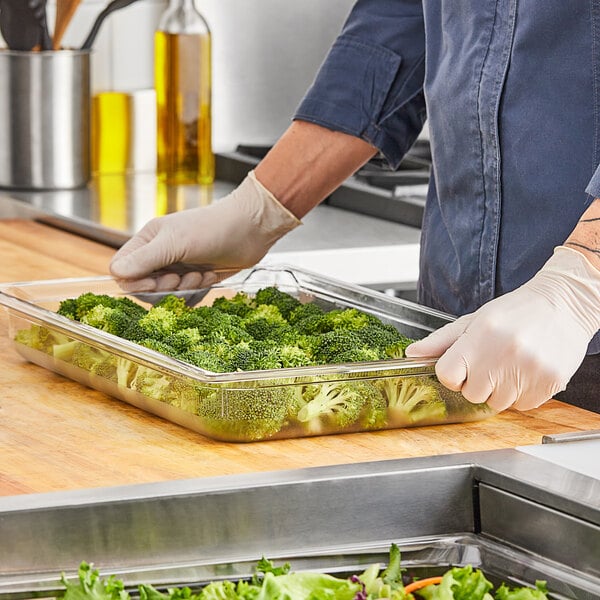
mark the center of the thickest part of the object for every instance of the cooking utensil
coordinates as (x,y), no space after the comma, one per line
(110,8)
(65,9)
(38,7)
(20,28)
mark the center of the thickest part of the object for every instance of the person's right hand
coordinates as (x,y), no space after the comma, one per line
(232,234)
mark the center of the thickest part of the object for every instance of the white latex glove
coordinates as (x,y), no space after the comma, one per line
(522,348)
(184,249)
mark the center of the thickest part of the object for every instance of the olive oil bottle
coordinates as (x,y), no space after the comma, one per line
(182,65)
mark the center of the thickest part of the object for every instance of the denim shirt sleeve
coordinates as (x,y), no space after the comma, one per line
(593,188)
(371,83)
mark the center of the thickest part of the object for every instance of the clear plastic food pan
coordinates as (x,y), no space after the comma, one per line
(244,406)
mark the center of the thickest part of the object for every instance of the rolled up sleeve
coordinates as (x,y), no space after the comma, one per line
(593,188)
(371,83)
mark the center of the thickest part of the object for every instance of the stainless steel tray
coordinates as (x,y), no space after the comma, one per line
(189,389)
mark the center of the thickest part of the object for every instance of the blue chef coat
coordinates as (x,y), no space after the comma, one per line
(511,92)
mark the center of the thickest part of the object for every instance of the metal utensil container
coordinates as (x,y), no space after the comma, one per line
(212,403)
(44,119)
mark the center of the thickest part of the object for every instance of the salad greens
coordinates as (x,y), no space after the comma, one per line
(271,582)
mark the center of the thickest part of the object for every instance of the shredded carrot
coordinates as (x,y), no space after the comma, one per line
(421,583)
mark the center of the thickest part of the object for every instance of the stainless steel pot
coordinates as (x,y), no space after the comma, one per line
(44,119)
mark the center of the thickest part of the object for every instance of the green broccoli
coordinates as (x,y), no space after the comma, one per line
(375,411)
(205,359)
(412,400)
(332,405)
(246,413)
(241,304)
(94,360)
(252,356)
(284,302)
(106,318)
(158,323)
(385,338)
(174,304)
(160,346)
(41,338)
(68,308)
(185,339)
(294,356)
(341,346)
(85,303)
(305,311)
(152,383)
(125,371)
(132,309)
(348,318)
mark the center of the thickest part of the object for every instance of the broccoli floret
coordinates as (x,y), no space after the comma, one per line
(348,318)
(228,335)
(263,329)
(245,414)
(65,351)
(397,349)
(384,338)
(267,312)
(125,371)
(332,404)
(151,383)
(266,323)
(284,302)
(241,304)
(111,320)
(305,311)
(412,399)
(130,308)
(160,346)
(343,345)
(252,356)
(294,356)
(374,414)
(68,308)
(85,303)
(185,340)
(205,359)
(174,304)
(96,361)
(158,323)
(134,332)
(210,322)
(40,338)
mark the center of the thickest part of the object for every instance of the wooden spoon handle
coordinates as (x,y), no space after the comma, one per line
(65,9)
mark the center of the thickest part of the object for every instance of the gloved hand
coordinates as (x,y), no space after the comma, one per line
(521,348)
(232,234)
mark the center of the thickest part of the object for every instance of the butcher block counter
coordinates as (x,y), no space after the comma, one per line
(57,435)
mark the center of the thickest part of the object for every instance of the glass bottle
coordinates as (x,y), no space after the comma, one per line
(182,66)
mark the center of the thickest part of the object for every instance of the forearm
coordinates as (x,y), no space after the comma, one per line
(308,163)
(586,235)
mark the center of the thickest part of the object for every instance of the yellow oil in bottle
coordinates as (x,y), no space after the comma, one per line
(183,97)
(110,132)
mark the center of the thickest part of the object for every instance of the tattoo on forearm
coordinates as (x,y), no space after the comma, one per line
(589,220)
(583,247)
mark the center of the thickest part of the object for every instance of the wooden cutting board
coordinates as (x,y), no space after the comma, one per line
(56,434)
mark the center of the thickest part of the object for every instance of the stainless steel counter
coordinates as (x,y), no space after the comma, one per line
(332,241)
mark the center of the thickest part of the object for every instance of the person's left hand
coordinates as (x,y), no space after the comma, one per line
(522,348)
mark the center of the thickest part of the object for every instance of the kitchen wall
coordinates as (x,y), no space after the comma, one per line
(266,53)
